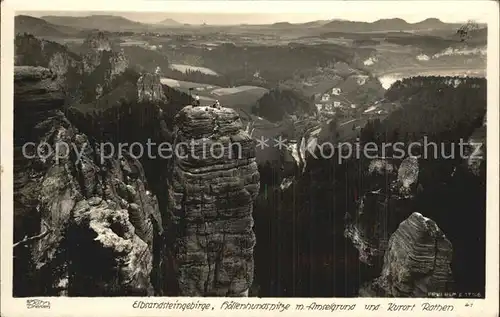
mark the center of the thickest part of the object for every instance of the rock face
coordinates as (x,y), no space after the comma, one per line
(380,166)
(97,48)
(119,63)
(407,175)
(149,88)
(82,226)
(38,52)
(61,64)
(211,198)
(365,230)
(379,211)
(29,79)
(86,76)
(416,263)
(476,150)
(97,42)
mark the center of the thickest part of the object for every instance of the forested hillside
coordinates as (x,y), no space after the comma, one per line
(278,103)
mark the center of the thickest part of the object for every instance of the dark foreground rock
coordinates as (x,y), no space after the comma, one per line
(416,263)
(211,200)
(82,226)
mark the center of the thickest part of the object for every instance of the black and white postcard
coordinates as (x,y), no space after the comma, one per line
(249,157)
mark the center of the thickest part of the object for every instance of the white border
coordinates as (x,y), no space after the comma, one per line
(123,306)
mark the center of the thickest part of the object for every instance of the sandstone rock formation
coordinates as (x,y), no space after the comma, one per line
(85,77)
(380,211)
(367,231)
(211,196)
(149,88)
(97,51)
(416,263)
(380,166)
(61,64)
(407,175)
(82,226)
(97,42)
(476,150)
(32,51)
(119,63)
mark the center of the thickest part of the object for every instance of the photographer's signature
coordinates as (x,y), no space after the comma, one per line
(37,303)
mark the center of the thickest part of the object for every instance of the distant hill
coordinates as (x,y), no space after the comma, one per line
(431,23)
(40,27)
(316,23)
(102,22)
(388,25)
(169,22)
(282,24)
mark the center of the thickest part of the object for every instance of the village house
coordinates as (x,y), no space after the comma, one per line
(336,91)
(325,111)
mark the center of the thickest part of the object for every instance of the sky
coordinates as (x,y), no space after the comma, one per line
(264,12)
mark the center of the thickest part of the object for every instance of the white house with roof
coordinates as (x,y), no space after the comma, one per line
(336,91)
(325,97)
(337,104)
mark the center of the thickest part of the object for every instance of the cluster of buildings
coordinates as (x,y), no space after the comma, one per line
(333,104)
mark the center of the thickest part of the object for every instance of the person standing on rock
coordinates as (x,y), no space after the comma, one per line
(197,100)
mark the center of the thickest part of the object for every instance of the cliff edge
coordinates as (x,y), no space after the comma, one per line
(82,226)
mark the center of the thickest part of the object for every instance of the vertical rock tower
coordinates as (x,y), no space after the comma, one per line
(149,88)
(213,184)
(416,263)
(98,51)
